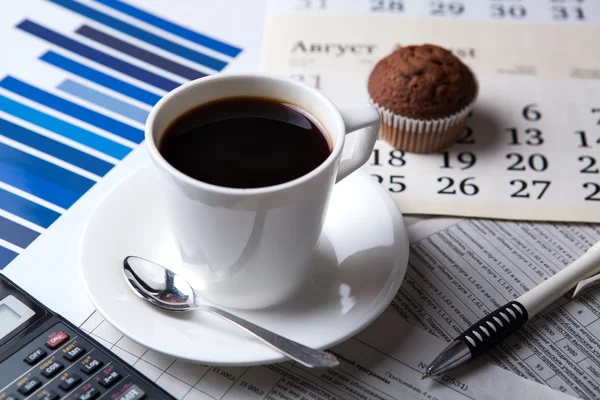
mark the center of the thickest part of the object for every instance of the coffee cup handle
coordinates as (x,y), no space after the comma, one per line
(366,119)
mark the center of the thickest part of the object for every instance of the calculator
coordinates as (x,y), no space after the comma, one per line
(45,357)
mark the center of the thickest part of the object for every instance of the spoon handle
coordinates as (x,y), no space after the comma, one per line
(306,356)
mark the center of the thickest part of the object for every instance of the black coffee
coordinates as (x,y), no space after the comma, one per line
(245,142)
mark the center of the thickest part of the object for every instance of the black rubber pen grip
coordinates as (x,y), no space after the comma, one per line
(494,328)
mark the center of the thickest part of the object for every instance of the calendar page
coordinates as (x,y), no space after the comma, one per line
(531,150)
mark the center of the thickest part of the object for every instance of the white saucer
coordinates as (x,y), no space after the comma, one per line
(361,261)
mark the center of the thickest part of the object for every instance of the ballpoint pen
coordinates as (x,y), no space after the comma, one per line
(496,326)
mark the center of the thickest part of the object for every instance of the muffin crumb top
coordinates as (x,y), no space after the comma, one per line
(422,82)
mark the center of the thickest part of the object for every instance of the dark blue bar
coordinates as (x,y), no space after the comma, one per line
(98,56)
(39,187)
(100,78)
(175,29)
(42,168)
(75,110)
(142,35)
(6,256)
(16,234)
(54,148)
(139,53)
(27,209)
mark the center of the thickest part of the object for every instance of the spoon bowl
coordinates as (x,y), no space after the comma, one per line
(158,285)
(165,289)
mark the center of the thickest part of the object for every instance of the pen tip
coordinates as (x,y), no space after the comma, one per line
(425,375)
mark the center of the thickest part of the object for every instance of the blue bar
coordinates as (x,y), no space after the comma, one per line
(175,29)
(27,209)
(6,256)
(142,35)
(37,186)
(100,78)
(16,234)
(54,148)
(104,100)
(139,53)
(98,56)
(63,128)
(45,170)
(75,110)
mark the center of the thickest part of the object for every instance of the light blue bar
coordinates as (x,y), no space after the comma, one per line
(104,100)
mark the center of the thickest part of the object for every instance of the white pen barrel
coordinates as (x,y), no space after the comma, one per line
(548,291)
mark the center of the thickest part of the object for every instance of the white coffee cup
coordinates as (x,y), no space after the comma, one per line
(252,248)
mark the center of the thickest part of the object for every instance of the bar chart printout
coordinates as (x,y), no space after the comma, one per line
(57,140)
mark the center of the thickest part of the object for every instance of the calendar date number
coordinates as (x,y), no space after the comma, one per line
(589,165)
(596,111)
(529,137)
(465,186)
(526,190)
(467,137)
(306,5)
(531,113)
(395,183)
(464,160)
(585,140)
(395,158)
(382,6)
(313,80)
(508,11)
(535,162)
(594,189)
(564,13)
(446,8)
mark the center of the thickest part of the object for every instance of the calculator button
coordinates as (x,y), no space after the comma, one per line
(49,395)
(74,353)
(9,397)
(69,382)
(90,365)
(133,393)
(89,394)
(56,339)
(52,369)
(30,386)
(35,357)
(107,379)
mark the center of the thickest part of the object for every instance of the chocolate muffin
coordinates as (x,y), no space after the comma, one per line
(424,94)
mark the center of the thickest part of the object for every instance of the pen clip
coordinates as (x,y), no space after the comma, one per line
(584,286)
(592,257)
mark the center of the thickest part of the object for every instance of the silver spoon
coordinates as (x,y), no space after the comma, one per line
(165,289)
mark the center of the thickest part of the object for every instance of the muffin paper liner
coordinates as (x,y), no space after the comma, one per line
(421,135)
